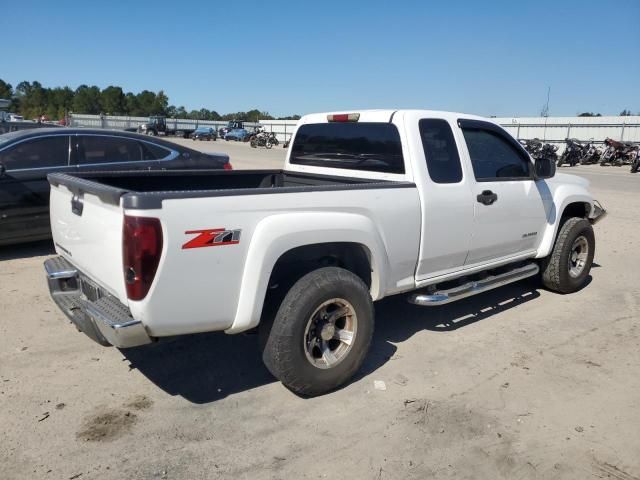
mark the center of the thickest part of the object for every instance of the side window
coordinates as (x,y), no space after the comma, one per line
(494,157)
(154,152)
(99,149)
(45,152)
(440,150)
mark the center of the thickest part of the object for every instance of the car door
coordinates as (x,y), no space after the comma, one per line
(24,189)
(509,211)
(110,152)
(447,211)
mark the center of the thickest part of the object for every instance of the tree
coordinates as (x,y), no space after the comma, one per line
(31,99)
(589,114)
(131,104)
(159,104)
(112,101)
(60,102)
(625,113)
(7,93)
(6,90)
(87,100)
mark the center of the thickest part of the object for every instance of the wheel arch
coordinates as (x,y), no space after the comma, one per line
(573,206)
(301,241)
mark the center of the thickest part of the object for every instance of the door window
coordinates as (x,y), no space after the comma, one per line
(154,152)
(47,152)
(99,149)
(493,157)
(440,150)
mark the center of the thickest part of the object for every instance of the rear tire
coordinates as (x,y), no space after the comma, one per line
(321,332)
(566,269)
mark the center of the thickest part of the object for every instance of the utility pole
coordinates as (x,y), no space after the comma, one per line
(545,113)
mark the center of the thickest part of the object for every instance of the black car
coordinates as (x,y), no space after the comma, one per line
(26,157)
(205,133)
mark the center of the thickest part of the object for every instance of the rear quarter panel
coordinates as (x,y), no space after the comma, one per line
(223,287)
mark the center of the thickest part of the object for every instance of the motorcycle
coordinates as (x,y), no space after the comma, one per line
(633,157)
(261,139)
(537,149)
(591,154)
(619,153)
(572,154)
(534,146)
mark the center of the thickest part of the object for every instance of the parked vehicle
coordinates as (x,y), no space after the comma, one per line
(573,152)
(26,157)
(619,153)
(7,125)
(632,157)
(263,139)
(231,125)
(591,154)
(549,152)
(157,125)
(371,204)
(205,133)
(538,149)
(533,146)
(238,134)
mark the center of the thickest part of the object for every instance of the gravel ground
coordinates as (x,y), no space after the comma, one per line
(516,383)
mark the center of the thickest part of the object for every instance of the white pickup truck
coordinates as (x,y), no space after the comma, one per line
(369,204)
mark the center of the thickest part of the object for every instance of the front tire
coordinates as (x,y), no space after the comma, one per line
(321,332)
(566,269)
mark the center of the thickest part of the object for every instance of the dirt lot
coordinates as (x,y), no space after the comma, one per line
(518,383)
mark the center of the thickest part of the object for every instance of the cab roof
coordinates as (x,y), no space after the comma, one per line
(386,115)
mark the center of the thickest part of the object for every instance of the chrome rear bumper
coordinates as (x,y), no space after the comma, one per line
(96,313)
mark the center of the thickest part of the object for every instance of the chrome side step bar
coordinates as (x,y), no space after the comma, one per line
(441,297)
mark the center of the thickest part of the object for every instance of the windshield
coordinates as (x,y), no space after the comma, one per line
(8,137)
(354,146)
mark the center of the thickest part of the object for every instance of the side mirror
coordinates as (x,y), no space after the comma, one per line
(3,170)
(544,168)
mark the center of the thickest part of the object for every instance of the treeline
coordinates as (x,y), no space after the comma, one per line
(624,113)
(32,100)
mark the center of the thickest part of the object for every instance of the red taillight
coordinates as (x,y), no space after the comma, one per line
(228,166)
(343,117)
(141,250)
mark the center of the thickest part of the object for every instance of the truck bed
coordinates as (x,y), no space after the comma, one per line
(147,189)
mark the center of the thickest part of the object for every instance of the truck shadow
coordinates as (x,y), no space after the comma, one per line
(204,368)
(27,250)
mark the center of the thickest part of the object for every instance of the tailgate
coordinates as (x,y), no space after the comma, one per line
(87,231)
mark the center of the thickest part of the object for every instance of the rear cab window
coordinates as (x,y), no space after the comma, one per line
(440,151)
(368,146)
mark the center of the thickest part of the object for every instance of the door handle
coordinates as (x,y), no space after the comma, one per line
(487,197)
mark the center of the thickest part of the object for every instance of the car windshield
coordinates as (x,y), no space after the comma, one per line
(9,137)
(203,130)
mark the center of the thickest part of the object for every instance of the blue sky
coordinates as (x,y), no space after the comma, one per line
(484,57)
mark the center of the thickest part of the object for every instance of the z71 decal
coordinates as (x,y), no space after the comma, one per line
(214,237)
